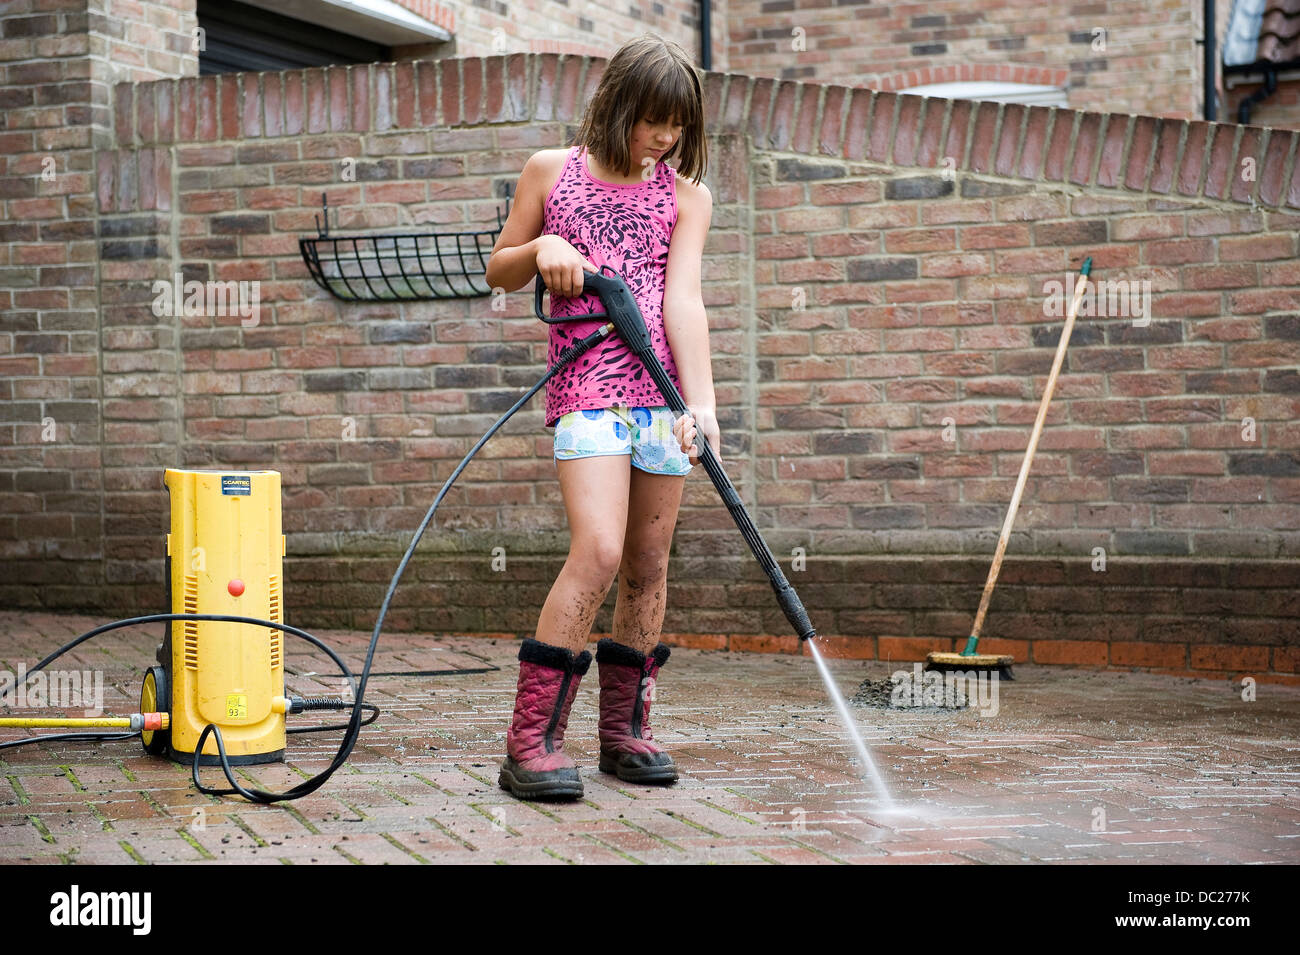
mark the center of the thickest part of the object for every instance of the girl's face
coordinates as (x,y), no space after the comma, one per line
(653,140)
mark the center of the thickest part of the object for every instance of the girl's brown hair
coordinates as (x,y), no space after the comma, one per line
(651,78)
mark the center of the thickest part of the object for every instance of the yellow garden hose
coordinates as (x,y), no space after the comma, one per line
(136,721)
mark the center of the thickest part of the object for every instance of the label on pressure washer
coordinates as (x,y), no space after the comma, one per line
(241,484)
(236,706)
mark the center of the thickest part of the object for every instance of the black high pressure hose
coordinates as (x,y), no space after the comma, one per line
(623,316)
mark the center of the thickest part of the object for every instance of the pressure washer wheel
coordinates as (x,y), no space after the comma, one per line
(154,698)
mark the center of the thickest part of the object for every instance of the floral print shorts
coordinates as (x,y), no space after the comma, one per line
(644,433)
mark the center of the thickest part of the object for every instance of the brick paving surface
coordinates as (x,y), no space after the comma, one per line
(1077,766)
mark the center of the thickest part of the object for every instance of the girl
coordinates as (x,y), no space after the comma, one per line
(611,198)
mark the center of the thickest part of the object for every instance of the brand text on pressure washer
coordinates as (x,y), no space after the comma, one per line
(60,689)
(77,908)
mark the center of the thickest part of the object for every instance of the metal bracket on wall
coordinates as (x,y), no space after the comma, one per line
(400,267)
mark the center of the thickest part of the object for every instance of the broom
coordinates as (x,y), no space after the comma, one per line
(969,659)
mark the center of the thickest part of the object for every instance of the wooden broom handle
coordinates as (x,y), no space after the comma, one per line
(1029,454)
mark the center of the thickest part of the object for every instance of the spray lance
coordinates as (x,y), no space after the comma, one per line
(623,314)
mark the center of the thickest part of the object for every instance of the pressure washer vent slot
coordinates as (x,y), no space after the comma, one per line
(277,636)
(191,626)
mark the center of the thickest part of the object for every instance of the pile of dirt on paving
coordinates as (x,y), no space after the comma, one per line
(874,693)
(880,694)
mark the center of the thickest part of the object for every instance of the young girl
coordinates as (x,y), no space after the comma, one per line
(612,199)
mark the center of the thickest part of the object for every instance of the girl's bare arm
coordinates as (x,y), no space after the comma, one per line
(685,321)
(513,261)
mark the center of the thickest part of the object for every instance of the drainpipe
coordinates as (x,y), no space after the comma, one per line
(1261,94)
(1208,51)
(706,41)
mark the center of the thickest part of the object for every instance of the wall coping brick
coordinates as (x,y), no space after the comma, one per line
(1113,151)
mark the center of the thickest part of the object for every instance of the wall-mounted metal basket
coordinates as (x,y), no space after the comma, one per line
(401,267)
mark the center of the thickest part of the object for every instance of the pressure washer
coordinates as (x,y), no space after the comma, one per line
(217,695)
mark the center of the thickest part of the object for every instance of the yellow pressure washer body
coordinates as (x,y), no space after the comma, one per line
(225,555)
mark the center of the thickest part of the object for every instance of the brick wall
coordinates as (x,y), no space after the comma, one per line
(142,39)
(59,60)
(550,26)
(865,296)
(1149,64)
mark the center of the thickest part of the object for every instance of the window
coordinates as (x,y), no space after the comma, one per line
(288,34)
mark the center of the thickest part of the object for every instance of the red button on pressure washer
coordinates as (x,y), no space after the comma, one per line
(236,587)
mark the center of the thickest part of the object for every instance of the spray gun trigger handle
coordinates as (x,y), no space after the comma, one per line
(541,289)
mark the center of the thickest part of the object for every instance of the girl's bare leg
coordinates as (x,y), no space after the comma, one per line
(595,494)
(653,501)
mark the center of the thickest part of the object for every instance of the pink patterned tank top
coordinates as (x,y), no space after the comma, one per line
(626,227)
